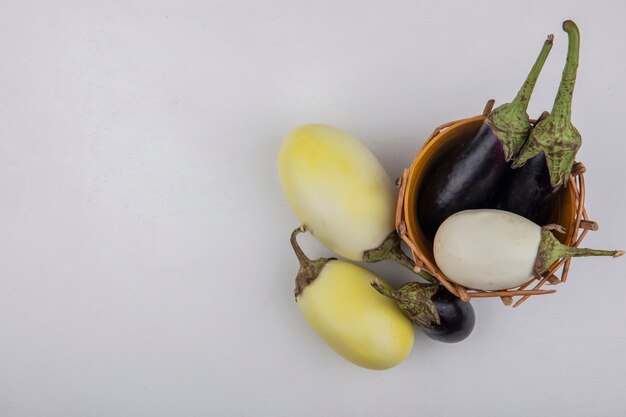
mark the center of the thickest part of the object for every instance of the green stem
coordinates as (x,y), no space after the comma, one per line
(510,121)
(382,289)
(523,96)
(391,248)
(555,136)
(309,269)
(550,250)
(562,107)
(414,299)
(567,251)
(401,258)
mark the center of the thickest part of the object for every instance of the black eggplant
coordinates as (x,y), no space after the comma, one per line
(528,192)
(543,166)
(439,314)
(469,177)
(456,318)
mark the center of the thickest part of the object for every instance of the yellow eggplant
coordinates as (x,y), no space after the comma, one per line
(341,193)
(336,298)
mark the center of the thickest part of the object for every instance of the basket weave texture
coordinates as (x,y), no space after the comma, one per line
(570,213)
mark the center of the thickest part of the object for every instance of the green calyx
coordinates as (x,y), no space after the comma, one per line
(391,248)
(551,250)
(555,136)
(510,121)
(414,300)
(309,269)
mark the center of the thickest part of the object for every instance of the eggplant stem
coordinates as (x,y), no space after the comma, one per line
(309,269)
(550,250)
(382,289)
(400,257)
(562,107)
(578,252)
(523,95)
(391,248)
(555,136)
(414,299)
(510,121)
(302,258)
(554,227)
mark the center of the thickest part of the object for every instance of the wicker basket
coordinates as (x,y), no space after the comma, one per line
(569,212)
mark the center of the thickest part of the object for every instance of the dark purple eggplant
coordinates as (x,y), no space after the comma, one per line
(441,315)
(543,166)
(528,192)
(456,317)
(469,176)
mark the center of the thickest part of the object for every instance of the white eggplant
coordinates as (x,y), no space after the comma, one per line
(497,250)
(341,193)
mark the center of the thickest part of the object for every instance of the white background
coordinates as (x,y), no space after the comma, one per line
(145,268)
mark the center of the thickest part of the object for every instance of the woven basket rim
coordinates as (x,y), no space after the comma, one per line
(581,226)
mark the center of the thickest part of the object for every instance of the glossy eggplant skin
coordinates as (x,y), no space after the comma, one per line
(527,191)
(466,179)
(456,316)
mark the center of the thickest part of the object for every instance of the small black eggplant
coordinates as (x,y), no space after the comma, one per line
(543,166)
(468,178)
(456,318)
(440,315)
